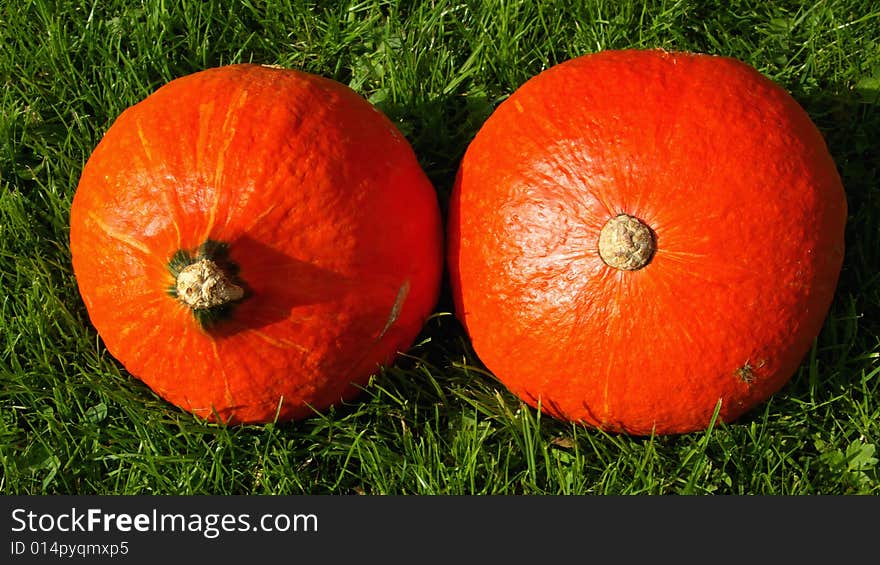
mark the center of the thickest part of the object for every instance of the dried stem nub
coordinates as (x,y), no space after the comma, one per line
(626,243)
(205,285)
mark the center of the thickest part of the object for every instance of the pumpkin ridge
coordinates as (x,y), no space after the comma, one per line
(121,238)
(227,389)
(228,132)
(279,343)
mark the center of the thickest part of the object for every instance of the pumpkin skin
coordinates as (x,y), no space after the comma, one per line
(310,200)
(745,208)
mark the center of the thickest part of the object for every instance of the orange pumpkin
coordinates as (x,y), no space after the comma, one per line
(635,236)
(253,241)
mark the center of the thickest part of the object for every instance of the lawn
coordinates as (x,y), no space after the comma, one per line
(73,421)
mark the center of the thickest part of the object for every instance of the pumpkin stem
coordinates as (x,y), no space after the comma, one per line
(205,285)
(626,243)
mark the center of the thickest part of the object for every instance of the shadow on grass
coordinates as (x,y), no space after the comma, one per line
(850,121)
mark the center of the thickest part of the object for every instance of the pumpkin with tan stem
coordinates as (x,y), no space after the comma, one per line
(636,236)
(254,241)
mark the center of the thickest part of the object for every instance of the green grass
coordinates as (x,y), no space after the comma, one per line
(73,421)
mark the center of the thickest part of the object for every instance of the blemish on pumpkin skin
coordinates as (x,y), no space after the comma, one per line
(746,373)
(402,293)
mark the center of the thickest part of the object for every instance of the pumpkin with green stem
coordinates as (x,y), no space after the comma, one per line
(254,242)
